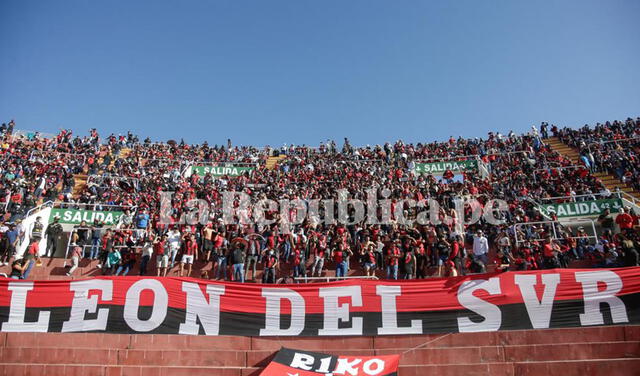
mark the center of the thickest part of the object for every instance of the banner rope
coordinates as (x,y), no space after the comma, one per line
(424,344)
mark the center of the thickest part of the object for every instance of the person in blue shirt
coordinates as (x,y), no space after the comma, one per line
(142,219)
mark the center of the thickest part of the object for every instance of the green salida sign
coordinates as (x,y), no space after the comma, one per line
(220,170)
(440,167)
(75,216)
(582,208)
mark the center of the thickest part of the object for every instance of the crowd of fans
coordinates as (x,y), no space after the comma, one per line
(612,147)
(127,175)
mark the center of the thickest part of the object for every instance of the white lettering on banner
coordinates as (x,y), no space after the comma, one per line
(390,313)
(158,310)
(491,313)
(83,304)
(18,309)
(344,366)
(334,313)
(272,312)
(198,308)
(593,298)
(324,365)
(77,216)
(302,361)
(379,363)
(539,311)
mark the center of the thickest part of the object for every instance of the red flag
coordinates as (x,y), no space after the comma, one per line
(289,362)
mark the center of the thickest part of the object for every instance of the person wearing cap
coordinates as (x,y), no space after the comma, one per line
(53,233)
(270,264)
(37,230)
(18,267)
(480,247)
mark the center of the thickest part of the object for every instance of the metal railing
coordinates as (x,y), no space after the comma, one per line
(81,157)
(328,279)
(572,167)
(39,207)
(26,133)
(99,178)
(75,229)
(456,157)
(63,204)
(573,197)
(600,143)
(555,232)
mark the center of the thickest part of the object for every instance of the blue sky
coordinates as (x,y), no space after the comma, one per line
(298,71)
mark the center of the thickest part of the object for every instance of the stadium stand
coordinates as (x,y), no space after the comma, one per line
(88,176)
(76,207)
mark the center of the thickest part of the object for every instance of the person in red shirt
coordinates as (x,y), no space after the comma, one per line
(549,253)
(340,256)
(456,253)
(370,259)
(162,258)
(270,264)
(625,221)
(392,256)
(30,255)
(319,253)
(190,254)
(299,269)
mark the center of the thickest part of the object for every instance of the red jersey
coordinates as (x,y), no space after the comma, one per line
(394,251)
(372,257)
(34,249)
(158,248)
(190,248)
(296,257)
(271,261)
(547,250)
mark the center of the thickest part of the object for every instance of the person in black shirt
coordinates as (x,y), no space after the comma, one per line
(443,248)
(17,268)
(237,259)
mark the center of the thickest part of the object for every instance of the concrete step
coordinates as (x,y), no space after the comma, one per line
(609,367)
(168,342)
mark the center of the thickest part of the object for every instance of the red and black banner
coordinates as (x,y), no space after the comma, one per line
(488,302)
(307,363)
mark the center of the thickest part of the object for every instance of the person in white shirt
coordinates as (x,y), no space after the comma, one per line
(147,253)
(174,240)
(480,247)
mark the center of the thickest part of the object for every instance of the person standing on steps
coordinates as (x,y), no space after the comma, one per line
(53,232)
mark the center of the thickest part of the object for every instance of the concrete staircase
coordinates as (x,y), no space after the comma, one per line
(273,161)
(565,150)
(609,180)
(610,351)
(81,179)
